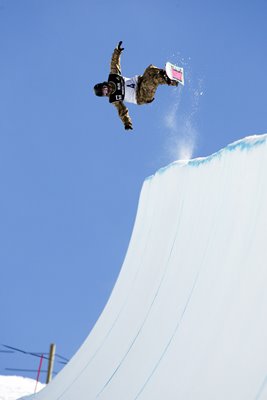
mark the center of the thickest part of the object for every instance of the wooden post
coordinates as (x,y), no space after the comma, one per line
(51,362)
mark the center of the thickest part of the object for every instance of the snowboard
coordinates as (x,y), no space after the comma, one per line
(174,72)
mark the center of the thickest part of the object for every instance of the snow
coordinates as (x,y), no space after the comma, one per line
(187,316)
(13,387)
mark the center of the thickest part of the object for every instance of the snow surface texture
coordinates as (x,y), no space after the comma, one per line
(13,387)
(187,316)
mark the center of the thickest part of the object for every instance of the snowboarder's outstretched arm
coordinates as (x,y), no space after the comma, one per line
(115,68)
(115,65)
(124,115)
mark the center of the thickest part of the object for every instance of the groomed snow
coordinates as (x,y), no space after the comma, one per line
(187,316)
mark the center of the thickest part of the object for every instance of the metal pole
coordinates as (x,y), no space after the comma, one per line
(51,362)
(39,371)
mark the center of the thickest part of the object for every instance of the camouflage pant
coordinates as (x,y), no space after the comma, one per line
(148,83)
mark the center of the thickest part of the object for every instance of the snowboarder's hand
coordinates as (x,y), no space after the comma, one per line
(128,126)
(119,47)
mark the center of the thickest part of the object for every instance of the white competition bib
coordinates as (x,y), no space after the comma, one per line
(130,89)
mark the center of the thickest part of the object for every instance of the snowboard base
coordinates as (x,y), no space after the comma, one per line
(174,72)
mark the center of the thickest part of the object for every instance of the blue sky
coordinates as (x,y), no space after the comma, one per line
(70,175)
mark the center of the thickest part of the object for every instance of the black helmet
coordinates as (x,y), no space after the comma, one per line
(98,88)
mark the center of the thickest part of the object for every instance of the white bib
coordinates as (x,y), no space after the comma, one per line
(130,89)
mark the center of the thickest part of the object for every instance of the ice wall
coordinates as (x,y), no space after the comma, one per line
(187,318)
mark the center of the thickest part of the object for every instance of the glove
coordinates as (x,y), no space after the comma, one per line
(119,47)
(128,127)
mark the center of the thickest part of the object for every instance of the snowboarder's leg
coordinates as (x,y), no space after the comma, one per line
(149,81)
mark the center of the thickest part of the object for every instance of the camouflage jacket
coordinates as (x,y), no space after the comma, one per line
(115,68)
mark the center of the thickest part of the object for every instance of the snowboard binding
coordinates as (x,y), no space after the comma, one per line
(170,82)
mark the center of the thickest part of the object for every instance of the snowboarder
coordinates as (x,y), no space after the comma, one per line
(138,90)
